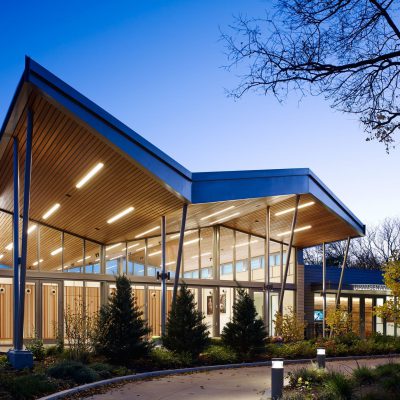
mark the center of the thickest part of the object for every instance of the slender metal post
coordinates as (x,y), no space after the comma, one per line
(342,273)
(25,223)
(16,241)
(283,284)
(323,289)
(267,269)
(163,277)
(179,256)
(321,357)
(277,378)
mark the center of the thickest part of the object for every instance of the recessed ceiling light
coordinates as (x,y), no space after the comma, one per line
(57,251)
(90,175)
(146,232)
(303,228)
(225,218)
(217,213)
(51,211)
(120,215)
(310,203)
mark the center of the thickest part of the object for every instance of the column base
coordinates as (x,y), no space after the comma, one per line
(20,359)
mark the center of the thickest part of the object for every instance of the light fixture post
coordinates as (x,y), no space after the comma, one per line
(321,357)
(163,277)
(277,372)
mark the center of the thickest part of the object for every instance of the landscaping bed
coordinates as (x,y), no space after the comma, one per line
(56,371)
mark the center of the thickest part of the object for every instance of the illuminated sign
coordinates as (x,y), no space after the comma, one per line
(372,287)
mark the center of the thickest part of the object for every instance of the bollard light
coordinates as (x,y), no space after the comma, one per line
(321,357)
(277,378)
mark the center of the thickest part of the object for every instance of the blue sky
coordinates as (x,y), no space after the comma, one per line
(156,65)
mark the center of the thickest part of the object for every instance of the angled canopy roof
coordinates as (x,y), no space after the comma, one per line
(71,134)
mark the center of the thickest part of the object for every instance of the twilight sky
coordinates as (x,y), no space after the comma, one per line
(156,65)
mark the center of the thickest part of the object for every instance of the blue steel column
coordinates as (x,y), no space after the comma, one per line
(25,222)
(179,256)
(163,277)
(16,241)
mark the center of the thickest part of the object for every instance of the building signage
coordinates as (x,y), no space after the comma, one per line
(372,287)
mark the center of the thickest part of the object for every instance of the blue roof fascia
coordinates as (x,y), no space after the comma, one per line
(236,185)
(143,152)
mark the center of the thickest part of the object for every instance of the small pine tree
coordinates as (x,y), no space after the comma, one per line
(122,333)
(185,330)
(245,333)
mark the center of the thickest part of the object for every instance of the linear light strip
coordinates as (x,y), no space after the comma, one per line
(37,262)
(113,246)
(217,213)
(51,211)
(57,251)
(310,203)
(146,232)
(202,255)
(90,175)
(303,228)
(225,218)
(245,244)
(120,215)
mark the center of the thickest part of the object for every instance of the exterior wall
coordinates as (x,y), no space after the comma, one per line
(216,261)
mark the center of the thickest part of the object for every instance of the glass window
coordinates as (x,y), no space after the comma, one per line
(51,250)
(225,306)
(379,321)
(153,256)
(226,253)
(136,258)
(206,253)
(33,261)
(73,254)
(257,249)
(368,317)
(6,241)
(275,262)
(191,249)
(355,315)
(115,253)
(92,258)
(242,256)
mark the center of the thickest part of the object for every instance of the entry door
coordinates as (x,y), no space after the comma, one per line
(51,299)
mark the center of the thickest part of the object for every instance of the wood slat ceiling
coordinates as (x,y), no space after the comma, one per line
(63,152)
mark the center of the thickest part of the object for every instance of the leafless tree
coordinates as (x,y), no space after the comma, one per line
(346,50)
(380,244)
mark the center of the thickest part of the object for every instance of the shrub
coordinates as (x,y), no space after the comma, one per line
(313,376)
(186,331)
(80,326)
(73,370)
(339,322)
(348,339)
(122,333)
(164,358)
(245,333)
(37,348)
(217,354)
(304,349)
(337,386)
(30,386)
(363,375)
(105,371)
(289,326)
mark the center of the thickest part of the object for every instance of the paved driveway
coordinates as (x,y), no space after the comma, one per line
(234,384)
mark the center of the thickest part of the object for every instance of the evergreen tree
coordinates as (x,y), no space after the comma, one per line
(185,330)
(122,333)
(245,333)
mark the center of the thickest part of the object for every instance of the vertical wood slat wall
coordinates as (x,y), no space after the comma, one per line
(49,311)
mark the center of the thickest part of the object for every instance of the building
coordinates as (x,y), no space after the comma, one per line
(100,200)
(361,291)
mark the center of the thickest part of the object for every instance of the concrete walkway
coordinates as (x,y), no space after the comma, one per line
(234,384)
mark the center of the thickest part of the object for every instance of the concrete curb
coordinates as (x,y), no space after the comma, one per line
(154,374)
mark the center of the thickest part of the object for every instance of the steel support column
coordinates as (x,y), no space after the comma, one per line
(283,284)
(180,249)
(267,269)
(163,276)
(25,225)
(16,259)
(323,289)
(342,273)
